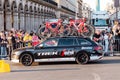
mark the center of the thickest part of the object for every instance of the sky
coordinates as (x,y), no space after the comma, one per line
(93,2)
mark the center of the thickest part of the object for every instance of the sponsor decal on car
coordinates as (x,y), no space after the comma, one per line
(47,53)
(67,52)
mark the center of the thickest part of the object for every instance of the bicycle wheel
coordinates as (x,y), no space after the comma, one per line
(90,31)
(67,30)
(44,33)
(73,32)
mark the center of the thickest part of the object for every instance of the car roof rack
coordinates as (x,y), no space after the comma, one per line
(67,36)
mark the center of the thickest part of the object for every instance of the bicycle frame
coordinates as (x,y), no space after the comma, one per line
(57,24)
(72,28)
(81,27)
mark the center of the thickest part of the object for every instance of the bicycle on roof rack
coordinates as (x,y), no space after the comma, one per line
(57,27)
(52,28)
(79,27)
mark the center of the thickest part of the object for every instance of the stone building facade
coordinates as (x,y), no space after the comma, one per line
(29,14)
(73,7)
(86,11)
(111,9)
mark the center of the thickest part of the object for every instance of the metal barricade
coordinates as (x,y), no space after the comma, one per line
(116,46)
(3,51)
(113,46)
(15,46)
(6,49)
(19,45)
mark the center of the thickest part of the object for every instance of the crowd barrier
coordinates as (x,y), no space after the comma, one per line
(112,46)
(6,49)
(116,46)
(3,50)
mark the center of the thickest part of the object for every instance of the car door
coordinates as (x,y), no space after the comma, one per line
(47,49)
(66,47)
(83,44)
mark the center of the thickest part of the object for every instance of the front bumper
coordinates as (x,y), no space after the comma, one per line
(15,60)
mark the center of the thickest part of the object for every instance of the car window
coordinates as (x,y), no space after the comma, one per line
(75,42)
(66,42)
(84,42)
(50,43)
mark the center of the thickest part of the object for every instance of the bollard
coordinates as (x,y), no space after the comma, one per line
(4,67)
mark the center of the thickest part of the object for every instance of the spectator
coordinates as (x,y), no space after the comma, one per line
(117,37)
(3,45)
(35,40)
(115,27)
(27,39)
(97,37)
(111,41)
(118,31)
(109,28)
(106,39)
(19,39)
(11,40)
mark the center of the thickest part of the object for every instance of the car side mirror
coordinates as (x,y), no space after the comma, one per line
(41,46)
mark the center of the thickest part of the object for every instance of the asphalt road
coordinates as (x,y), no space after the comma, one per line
(106,69)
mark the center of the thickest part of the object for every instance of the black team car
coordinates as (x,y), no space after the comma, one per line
(79,49)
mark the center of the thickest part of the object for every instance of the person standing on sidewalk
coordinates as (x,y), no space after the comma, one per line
(106,39)
(3,44)
(11,42)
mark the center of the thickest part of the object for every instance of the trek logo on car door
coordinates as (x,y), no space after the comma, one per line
(47,53)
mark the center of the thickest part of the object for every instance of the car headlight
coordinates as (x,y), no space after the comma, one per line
(17,53)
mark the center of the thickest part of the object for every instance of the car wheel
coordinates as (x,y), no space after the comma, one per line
(82,58)
(26,59)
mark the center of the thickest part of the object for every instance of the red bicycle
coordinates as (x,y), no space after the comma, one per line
(58,27)
(79,27)
(52,28)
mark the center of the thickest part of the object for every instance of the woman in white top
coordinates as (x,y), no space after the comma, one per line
(106,39)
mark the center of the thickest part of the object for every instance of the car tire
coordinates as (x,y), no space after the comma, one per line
(26,59)
(82,58)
